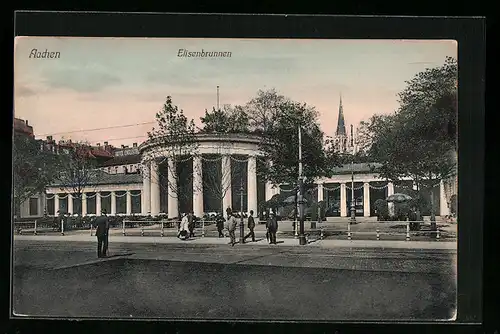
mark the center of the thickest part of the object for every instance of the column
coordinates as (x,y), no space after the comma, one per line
(252,184)
(390,191)
(343,200)
(269,188)
(172,205)
(366,199)
(113,203)
(321,195)
(155,188)
(70,204)
(226,183)
(129,203)
(197,186)
(84,204)
(56,204)
(39,205)
(98,203)
(146,189)
(444,210)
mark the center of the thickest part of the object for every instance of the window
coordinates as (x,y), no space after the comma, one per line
(33,206)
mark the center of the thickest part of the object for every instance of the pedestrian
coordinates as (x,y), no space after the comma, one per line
(191,223)
(272,226)
(219,221)
(184,228)
(251,226)
(231,226)
(102,232)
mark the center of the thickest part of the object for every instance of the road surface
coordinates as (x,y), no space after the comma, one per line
(203,281)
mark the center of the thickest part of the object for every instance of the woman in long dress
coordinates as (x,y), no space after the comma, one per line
(184,228)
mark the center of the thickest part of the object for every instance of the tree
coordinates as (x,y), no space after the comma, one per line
(227,120)
(264,110)
(280,143)
(33,169)
(176,138)
(78,169)
(418,141)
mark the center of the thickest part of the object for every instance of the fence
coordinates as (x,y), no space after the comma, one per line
(378,233)
(151,227)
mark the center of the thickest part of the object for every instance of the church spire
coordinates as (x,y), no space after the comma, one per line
(341,122)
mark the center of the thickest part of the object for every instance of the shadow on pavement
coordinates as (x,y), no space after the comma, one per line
(118,255)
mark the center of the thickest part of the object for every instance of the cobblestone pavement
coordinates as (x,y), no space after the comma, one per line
(223,282)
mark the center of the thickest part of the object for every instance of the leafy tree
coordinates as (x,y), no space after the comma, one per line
(264,110)
(176,135)
(33,169)
(418,141)
(280,145)
(227,120)
(78,169)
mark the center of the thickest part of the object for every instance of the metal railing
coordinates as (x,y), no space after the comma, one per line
(152,227)
(406,233)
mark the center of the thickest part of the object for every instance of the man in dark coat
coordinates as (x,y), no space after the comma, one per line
(219,221)
(192,221)
(251,226)
(102,231)
(272,227)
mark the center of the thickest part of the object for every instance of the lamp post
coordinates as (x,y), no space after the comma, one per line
(353,205)
(302,237)
(242,225)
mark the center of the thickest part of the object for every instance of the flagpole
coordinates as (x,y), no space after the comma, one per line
(217,98)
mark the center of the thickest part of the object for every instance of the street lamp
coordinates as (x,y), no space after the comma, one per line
(300,199)
(353,206)
(242,225)
(302,237)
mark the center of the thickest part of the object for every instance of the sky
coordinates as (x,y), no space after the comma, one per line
(123,82)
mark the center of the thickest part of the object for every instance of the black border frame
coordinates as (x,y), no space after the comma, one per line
(470,34)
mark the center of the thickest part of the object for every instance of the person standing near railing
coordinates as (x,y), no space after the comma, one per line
(219,221)
(272,227)
(102,233)
(231,226)
(191,223)
(251,226)
(184,227)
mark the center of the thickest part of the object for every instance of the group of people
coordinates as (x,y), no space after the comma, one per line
(186,229)
(186,226)
(232,223)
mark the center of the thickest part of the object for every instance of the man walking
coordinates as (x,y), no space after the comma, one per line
(251,226)
(102,232)
(272,226)
(231,225)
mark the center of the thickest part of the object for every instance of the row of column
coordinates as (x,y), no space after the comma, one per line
(343,197)
(151,186)
(98,203)
(443,203)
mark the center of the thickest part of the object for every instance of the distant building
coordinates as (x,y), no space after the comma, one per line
(22,127)
(125,161)
(341,140)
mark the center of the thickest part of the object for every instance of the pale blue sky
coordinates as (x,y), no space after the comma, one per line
(102,82)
